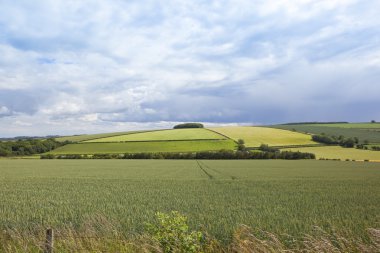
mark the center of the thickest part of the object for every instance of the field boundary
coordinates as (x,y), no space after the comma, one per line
(222,135)
(230,142)
(121,133)
(151,141)
(293,146)
(137,132)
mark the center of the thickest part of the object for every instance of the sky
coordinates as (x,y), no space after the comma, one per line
(81,66)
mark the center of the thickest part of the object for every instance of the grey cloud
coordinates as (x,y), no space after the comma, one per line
(154,61)
(18,101)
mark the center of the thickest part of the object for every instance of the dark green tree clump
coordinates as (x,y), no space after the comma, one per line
(189,125)
(28,146)
(334,140)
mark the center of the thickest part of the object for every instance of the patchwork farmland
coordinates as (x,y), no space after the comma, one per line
(288,199)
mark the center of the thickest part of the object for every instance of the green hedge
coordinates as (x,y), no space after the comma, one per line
(212,155)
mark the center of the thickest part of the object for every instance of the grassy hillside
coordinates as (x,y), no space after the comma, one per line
(146,146)
(85,137)
(350,130)
(277,196)
(255,136)
(173,134)
(352,125)
(337,152)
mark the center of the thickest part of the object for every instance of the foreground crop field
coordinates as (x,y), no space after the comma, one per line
(164,135)
(255,136)
(144,146)
(337,152)
(277,196)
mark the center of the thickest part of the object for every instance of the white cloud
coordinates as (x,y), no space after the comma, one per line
(108,62)
(4,111)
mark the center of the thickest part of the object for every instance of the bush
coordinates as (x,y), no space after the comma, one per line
(172,232)
(47,156)
(189,125)
(333,140)
(241,146)
(266,148)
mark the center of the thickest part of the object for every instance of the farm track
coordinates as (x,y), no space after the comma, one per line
(219,172)
(211,177)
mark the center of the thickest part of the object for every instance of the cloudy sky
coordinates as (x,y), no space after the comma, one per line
(84,66)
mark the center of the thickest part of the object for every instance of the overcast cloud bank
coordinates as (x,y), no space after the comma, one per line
(69,67)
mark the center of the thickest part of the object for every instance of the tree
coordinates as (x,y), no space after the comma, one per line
(172,232)
(241,146)
(373,121)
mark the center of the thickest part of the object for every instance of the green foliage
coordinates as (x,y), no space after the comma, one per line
(268,153)
(241,141)
(189,125)
(266,148)
(241,146)
(341,140)
(172,232)
(28,146)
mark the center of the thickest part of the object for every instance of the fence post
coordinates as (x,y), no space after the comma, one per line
(49,243)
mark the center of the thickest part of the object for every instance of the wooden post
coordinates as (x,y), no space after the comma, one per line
(49,241)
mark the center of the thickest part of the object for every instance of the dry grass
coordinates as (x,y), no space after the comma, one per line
(100,235)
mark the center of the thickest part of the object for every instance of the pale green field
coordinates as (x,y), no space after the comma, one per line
(350,125)
(255,136)
(162,135)
(337,152)
(147,146)
(85,137)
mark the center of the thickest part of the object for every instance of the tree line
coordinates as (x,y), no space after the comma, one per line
(28,146)
(212,155)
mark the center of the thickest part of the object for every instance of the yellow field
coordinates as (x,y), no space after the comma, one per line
(336,152)
(255,136)
(164,135)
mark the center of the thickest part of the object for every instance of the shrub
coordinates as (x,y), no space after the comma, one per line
(241,146)
(266,148)
(172,232)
